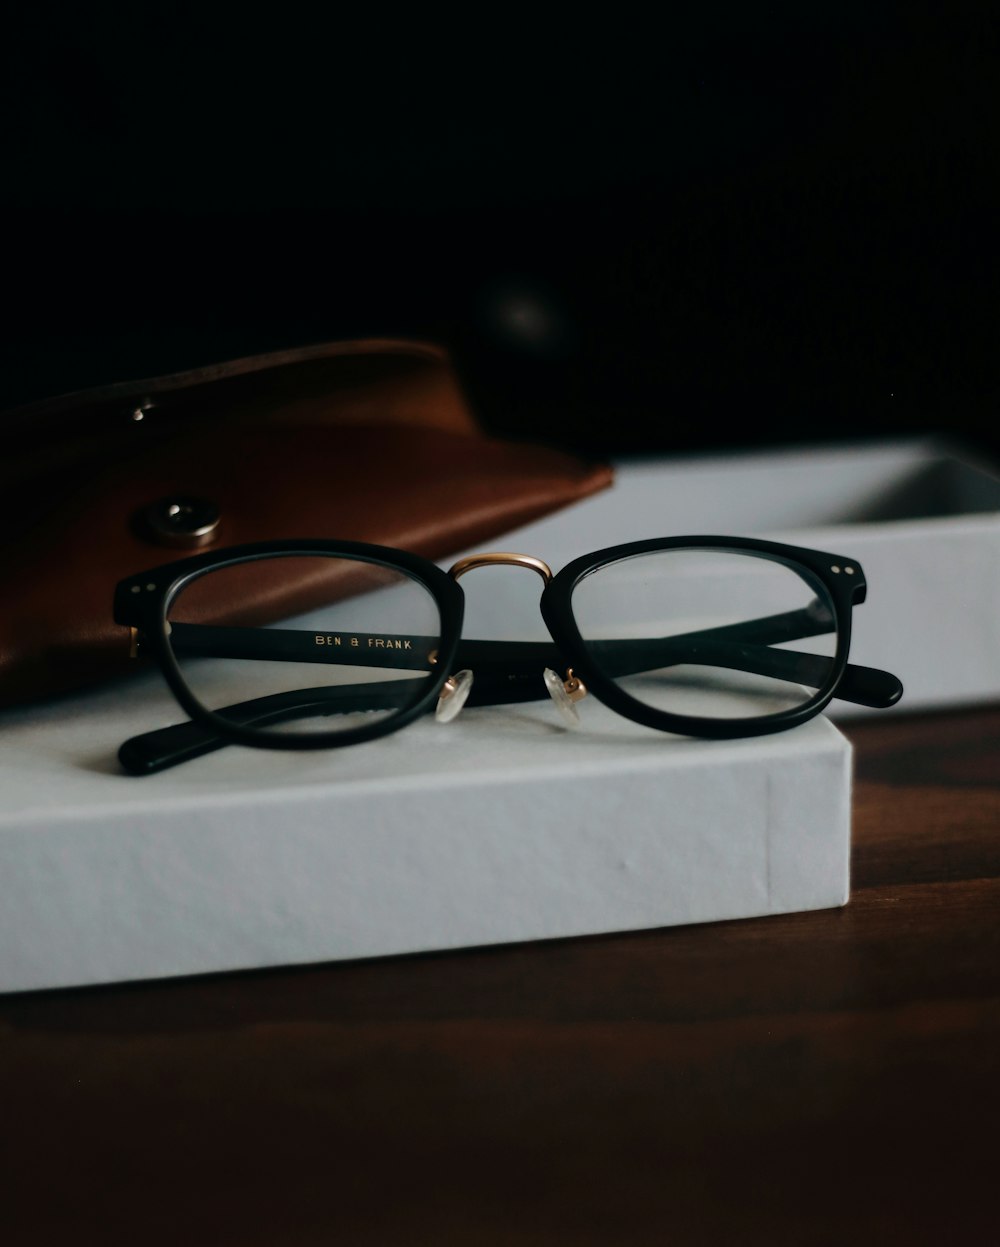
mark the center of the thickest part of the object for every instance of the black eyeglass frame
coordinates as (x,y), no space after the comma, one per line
(147,610)
(844,592)
(143,601)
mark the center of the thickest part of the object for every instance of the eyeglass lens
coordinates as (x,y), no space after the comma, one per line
(305,644)
(709,633)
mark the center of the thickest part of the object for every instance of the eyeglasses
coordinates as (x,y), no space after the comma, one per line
(716,637)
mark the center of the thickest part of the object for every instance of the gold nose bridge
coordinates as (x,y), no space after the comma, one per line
(501,558)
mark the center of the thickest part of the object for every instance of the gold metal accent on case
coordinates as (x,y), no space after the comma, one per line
(498,559)
(133,642)
(575,688)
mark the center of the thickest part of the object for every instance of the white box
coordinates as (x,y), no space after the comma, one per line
(499,827)
(923,520)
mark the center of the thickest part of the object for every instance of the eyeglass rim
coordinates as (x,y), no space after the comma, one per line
(844,591)
(170,579)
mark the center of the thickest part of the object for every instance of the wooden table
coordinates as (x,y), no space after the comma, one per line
(827,1077)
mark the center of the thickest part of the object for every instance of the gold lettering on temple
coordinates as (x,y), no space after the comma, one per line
(373,642)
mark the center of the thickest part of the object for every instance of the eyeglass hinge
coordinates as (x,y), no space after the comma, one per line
(134,640)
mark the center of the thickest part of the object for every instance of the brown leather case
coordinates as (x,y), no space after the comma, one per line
(367,441)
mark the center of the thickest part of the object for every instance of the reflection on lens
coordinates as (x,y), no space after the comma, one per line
(709,633)
(308,644)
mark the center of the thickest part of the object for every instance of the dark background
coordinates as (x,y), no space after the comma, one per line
(754,224)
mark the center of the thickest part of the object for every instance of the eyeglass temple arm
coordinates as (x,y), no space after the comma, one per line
(506,672)
(500,665)
(745,646)
(168,746)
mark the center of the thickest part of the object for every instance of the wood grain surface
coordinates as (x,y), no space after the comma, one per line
(829,1077)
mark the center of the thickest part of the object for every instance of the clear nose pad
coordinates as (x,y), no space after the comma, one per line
(566,693)
(453,696)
